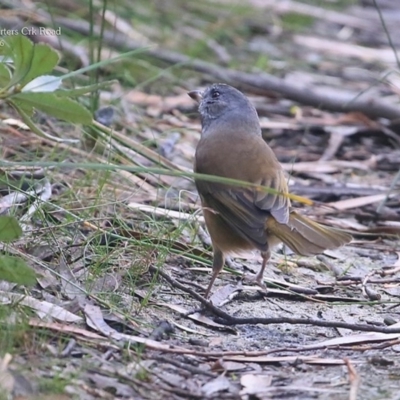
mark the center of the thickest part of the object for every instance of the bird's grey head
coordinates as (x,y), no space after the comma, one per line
(223,104)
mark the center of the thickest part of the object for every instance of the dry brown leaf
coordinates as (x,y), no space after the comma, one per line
(186,329)
(167,213)
(272,359)
(358,201)
(224,294)
(96,321)
(195,316)
(15,122)
(341,49)
(43,309)
(7,380)
(358,338)
(161,104)
(219,384)
(68,329)
(254,383)
(121,390)
(327,167)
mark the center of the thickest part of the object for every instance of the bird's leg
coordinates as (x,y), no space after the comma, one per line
(218,264)
(260,276)
(266,255)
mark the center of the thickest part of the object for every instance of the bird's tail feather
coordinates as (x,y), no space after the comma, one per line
(307,237)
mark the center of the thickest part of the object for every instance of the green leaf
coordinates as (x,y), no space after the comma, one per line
(14,269)
(9,229)
(22,54)
(5,75)
(43,83)
(43,61)
(63,108)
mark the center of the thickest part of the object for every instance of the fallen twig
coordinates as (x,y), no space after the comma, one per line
(354,379)
(367,291)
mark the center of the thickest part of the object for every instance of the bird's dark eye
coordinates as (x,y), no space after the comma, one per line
(215,94)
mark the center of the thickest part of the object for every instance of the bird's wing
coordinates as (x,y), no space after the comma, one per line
(277,205)
(245,219)
(246,209)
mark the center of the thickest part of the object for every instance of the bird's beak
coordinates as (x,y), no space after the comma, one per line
(196,95)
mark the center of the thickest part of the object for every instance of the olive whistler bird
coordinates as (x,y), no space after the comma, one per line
(242,219)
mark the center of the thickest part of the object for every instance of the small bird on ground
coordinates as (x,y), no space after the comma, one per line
(242,219)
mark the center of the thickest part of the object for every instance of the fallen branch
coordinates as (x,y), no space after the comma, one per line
(228,319)
(265,84)
(261,83)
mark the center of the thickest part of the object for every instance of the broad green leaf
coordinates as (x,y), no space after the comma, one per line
(9,229)
(26,108)
(5,75)
(43,61)
(22,53)
(14,269)
(35,129)
(63,108)
(5,49)
(43,84)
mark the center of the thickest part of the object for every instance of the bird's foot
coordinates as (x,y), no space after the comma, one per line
(257,279)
